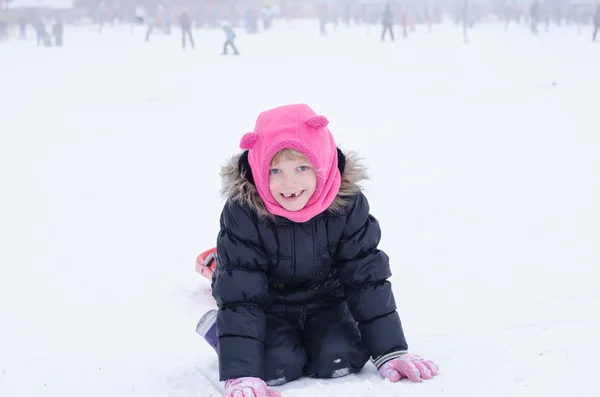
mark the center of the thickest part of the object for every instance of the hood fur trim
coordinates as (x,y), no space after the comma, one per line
(236,188)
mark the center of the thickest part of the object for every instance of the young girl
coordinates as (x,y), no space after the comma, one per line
(300,284)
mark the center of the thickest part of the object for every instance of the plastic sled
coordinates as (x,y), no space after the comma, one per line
(206,263)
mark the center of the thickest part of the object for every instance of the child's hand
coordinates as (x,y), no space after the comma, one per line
(249,387)
(409,366)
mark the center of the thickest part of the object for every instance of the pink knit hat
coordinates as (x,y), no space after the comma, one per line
(296,127)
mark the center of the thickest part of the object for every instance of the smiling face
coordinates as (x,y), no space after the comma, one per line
(292,179)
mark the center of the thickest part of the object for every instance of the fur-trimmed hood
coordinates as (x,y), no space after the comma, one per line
(238,188)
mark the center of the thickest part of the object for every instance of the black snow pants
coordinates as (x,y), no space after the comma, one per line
(387,29)
(230,43)
(185,34)
(318,343)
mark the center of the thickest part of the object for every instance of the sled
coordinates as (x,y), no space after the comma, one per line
(206,263)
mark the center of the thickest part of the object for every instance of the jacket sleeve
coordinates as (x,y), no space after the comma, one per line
(241,290)
(363,271)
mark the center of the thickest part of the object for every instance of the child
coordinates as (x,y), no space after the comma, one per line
(300,284)
(229,40)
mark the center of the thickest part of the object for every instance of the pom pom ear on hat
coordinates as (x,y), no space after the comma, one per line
(249,140)
(317,122)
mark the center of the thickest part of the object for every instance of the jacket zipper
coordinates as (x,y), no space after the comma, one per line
(293,252)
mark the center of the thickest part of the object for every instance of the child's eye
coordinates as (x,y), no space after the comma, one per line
(275,171)
(303,168)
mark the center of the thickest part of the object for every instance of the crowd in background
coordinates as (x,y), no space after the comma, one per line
(253,17)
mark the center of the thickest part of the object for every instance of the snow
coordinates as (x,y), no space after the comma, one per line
(485,176)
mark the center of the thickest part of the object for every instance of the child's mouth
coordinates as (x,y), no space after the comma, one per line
(291,196)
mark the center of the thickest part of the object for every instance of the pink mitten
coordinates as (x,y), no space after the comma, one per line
(408,366)
(249,387)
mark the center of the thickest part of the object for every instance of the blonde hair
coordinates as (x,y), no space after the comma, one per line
(287,154)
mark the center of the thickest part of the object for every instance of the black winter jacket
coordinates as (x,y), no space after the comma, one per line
(270,264)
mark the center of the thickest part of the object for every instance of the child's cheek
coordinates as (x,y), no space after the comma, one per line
(272,184)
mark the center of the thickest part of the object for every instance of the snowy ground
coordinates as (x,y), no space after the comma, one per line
(485,177)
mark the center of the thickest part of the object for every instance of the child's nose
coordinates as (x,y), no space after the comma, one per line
(290,180)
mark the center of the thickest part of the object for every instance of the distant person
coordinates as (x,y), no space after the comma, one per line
(229,40)
(388,22)
(41,34)
(465,21)
(139,17)
(22,28)
(57,32)
(150,22)
(596,22)
(166,16)
(185,21)
(251,20)
(545,15)
(101,16)
(3,30)
(267,18)
(534,14)
(322,15)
